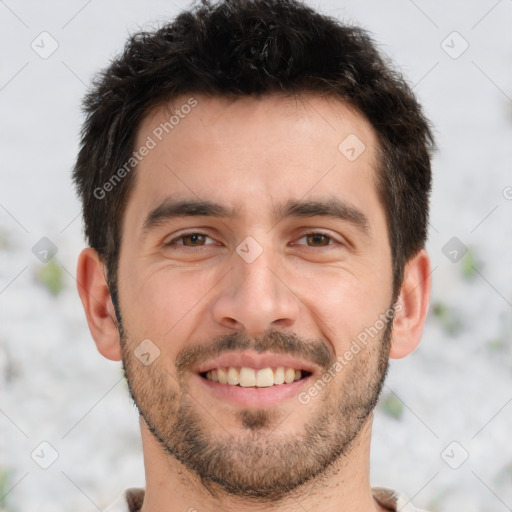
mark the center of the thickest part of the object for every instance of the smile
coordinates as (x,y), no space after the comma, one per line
(251,377)
(254,379)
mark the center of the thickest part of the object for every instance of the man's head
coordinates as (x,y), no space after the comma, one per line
(255,183)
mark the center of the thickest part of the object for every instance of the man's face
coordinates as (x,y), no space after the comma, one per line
(255,249)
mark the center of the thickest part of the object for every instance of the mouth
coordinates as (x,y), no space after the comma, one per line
(247,377)
(253,379)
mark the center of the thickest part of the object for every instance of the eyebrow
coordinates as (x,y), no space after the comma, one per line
(169,209)
(331,207)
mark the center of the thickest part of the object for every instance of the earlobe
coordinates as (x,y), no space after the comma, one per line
(99,310)
(412,306)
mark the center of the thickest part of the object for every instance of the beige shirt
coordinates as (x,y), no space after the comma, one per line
(131,501)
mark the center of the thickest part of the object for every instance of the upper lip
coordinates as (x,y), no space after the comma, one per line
(256,360)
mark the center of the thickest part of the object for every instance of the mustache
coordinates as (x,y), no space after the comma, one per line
(316,351)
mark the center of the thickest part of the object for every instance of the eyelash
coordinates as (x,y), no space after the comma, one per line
(184,235)
(309,233)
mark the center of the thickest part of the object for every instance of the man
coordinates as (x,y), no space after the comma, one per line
(255,184)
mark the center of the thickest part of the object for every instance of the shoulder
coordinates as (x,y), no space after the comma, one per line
(130,501)
(394,500)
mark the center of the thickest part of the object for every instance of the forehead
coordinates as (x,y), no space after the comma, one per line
(273,119)
(244,152)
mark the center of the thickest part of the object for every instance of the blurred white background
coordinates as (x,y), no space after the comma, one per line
(442,428)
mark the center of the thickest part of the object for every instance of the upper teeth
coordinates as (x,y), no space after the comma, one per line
(249,377)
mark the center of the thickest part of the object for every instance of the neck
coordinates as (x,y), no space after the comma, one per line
(345,487)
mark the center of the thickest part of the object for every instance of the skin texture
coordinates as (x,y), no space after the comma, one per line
(302,296)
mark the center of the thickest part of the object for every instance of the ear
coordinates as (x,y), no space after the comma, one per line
(412,306)
(99,310)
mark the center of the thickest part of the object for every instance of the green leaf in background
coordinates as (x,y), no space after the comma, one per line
(447,317)
(436,502)
(495,345)
(51,277)
(470,265)
(392,406)
(5,480)
(4,239)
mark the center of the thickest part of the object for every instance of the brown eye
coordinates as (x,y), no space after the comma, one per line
(317,239)
(190,240)
(194,239)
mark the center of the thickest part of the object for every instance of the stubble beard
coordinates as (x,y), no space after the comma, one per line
(256,462)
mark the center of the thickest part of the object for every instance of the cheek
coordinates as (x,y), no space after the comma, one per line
(344,304)
(161,304)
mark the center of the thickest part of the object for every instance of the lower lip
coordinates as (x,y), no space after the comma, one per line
(254,397)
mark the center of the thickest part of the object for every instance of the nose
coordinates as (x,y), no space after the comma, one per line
(254,297)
